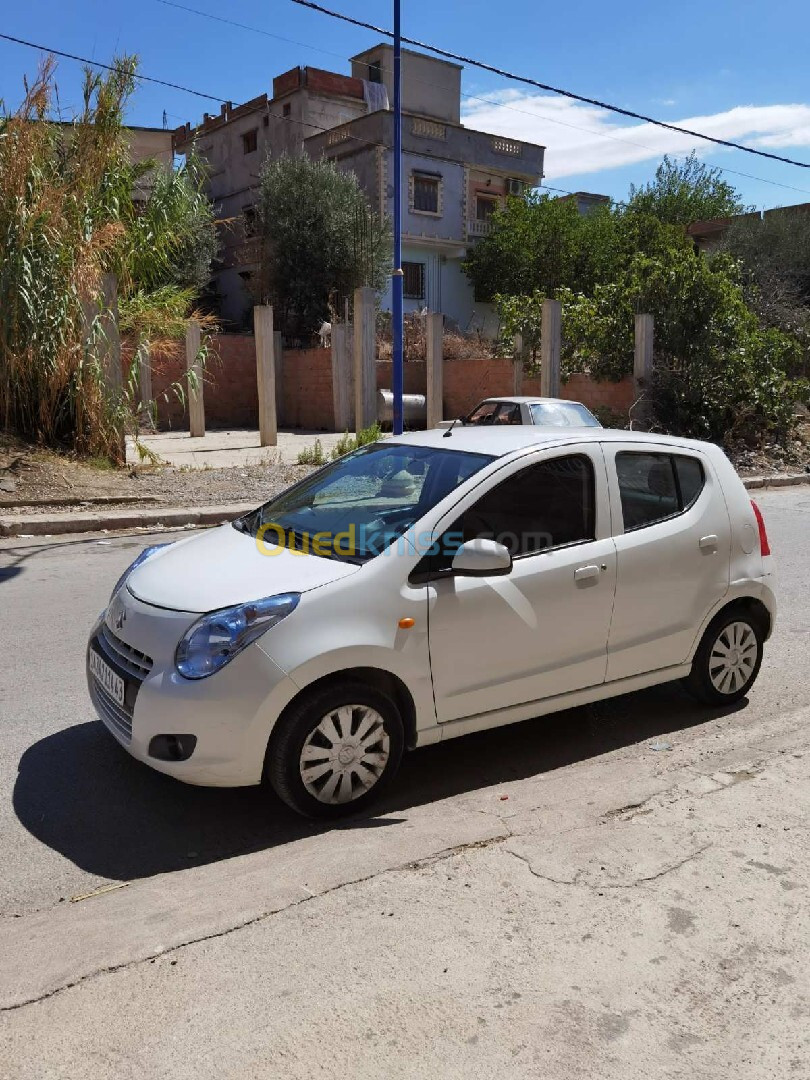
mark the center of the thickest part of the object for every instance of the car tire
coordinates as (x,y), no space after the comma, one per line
(727,660)
(336,750)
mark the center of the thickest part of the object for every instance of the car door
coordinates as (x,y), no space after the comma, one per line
(673,541)
(541,630)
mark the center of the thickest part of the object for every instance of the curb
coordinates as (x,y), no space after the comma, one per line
(793,480)
(173,517)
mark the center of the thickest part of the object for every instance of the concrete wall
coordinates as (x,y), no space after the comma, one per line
(231,397)
(430,87)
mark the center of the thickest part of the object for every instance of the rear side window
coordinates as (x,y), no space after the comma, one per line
(654,487)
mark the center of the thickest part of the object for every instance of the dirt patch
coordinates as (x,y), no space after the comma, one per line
(34,480)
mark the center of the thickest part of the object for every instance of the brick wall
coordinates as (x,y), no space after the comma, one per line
(467,381)
(231,397)
(307,389)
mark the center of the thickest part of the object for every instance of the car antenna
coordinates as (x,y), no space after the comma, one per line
(449,431)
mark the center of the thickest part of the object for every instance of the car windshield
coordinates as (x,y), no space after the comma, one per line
(357,506)
(559,414)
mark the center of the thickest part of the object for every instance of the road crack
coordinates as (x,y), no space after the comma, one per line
(577,881)
(416,864)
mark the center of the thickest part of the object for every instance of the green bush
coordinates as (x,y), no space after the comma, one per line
(348,442)
(312,455)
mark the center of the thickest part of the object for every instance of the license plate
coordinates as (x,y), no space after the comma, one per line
(107,679)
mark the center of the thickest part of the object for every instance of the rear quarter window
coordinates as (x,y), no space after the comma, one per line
(654,487)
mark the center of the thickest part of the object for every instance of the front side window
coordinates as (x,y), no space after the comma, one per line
(494,412)
(654,487)
(425,193)
(250,141)
(356,507)
(548,505)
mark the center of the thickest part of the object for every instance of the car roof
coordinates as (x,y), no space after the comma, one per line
(511,438)
(517,399)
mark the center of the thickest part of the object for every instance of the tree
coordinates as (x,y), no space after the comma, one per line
(542,243)
(685,192)
(319,239)
(775,255)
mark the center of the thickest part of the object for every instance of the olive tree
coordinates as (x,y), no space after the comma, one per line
(319,239)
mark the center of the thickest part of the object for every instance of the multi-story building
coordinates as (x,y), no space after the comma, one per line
(453,177)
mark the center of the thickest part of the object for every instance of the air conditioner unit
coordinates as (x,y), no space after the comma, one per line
(514,187)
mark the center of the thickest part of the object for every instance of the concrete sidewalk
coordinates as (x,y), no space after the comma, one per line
(226,449)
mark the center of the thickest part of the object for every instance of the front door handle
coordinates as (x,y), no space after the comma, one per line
(586,573)
(709,543)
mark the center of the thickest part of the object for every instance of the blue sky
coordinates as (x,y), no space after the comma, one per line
(729,67)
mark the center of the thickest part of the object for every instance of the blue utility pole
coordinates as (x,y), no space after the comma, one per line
(396,279)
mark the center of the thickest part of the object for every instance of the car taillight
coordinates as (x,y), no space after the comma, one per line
(764,546)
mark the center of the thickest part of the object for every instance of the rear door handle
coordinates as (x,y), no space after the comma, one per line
(586,573)
(709,543)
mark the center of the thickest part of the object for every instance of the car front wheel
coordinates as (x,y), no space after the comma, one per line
(727,660)
(335,750)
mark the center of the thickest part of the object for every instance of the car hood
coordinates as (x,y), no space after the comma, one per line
(224,567)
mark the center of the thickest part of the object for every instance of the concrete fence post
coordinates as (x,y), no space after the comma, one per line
(342,376)
(643,366)
(266,374)
(550,348)
(434,336)
(365,371)
(110,343)
(517,364)
(196,403)
(144,361)
(278,358)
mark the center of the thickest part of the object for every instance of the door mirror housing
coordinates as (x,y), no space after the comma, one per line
(482,558)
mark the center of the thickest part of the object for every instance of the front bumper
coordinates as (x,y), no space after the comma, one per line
(231,713)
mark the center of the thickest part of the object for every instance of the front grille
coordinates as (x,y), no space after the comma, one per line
(134,662)
(114,717)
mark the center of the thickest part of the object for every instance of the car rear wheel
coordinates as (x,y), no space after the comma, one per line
(336,750)
(727,660)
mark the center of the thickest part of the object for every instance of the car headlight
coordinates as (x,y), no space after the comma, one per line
(147,553)
(215,639)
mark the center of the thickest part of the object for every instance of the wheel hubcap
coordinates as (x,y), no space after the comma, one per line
(345,755)
(733,657)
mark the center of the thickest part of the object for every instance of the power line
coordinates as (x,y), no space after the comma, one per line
(504,74)
(472,97)
(111,67)
(220,99)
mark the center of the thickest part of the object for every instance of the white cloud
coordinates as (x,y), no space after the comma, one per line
(584,139)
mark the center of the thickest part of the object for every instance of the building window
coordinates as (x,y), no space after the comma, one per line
(375,71)
(485,207)
(250,141)
(286,109)
(251,221)
(413,280)
(425,193)
(265,121)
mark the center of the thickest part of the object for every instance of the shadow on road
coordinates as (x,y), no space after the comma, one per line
(79,793)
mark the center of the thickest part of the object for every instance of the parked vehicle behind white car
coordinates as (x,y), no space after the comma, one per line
(539,411)
(425,587)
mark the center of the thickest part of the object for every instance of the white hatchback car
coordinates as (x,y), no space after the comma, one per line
(428,586)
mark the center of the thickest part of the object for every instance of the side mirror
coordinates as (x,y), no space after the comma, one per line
(482,558)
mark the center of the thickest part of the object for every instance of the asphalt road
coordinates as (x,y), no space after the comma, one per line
(77,813)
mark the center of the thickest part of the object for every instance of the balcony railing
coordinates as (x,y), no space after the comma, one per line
(506,146)
(479,228)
